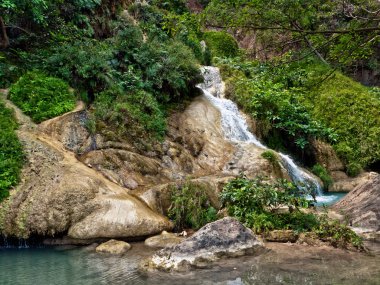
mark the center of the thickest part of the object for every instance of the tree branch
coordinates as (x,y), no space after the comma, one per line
(18,28)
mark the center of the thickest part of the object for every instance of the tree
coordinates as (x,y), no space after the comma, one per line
(334,30)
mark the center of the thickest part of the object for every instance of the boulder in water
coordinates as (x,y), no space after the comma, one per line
(221,239)
(113,247)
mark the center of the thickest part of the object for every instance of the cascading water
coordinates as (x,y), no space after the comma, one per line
(236,129)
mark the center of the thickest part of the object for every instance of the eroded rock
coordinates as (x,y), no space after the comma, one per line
(221,239)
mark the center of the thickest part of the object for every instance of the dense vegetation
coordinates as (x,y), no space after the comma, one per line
(42,97)
(257,203)
(11,155)
(190,207)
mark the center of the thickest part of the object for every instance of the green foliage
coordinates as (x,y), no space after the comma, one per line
(176,6)
(255,202)
(136,115)
(354,113)
(343,33)
(339,234)
(9,73)
(42,97)
(270,156)
(221,44)
(190,206)
(11,154)
(322,173)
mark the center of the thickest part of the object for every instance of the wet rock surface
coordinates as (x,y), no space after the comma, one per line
(221,239)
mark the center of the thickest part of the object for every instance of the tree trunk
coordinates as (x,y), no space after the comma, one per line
(4,40)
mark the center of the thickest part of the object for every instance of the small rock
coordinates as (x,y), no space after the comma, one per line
(114,247)
(221,239)
(165,239)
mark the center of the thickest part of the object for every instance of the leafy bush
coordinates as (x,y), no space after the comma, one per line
(322,173)
(221,44)
(339,234)
(270,156)
(255,202)
(353,110)
(42,97)
(190,206)
(11,154)
(129,115)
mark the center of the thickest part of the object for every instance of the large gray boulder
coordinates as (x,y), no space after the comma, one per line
(221,239)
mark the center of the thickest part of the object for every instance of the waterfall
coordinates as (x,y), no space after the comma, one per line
(236,129)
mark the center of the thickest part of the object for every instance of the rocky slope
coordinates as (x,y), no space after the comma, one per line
(84,186)
(59,194)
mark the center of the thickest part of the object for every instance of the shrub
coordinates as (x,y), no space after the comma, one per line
(339,234)
(322,173)
(221,44)
(42,97)
(354,113)
(130,115)
(255,202)
(190,206)
(270,156)
(11,154)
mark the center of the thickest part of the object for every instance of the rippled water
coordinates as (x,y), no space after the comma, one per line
(282,264)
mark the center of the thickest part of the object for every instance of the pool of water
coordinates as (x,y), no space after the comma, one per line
(282,264)
(329,198)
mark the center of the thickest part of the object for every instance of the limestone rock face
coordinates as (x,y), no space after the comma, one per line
(165,239)
(113,247)
(60,194)
(224,238)
(362,205)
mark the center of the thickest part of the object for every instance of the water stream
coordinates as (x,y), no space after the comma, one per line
(236,129)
